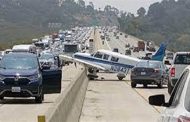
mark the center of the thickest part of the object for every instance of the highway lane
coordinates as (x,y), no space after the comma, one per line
(122,41)
(116,43)
(144,92)
(26,110)
(110,100)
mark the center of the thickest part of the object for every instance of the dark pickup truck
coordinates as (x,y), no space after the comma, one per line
(22,76)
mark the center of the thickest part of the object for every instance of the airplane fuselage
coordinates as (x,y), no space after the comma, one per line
(108,64)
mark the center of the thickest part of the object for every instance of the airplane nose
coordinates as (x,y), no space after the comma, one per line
(75,55)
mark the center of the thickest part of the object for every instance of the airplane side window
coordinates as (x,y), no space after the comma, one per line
(98,55)
(114,59)
(106,57)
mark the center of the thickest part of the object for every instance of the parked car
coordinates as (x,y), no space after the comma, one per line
(180,61)
(102,37)
(149,72)
(135,49)
(169,55)
(49,61)
(178,106)
(22,76)
(141,45)
(167,64)
(127,45)
(115,50)
(29,48)
(7,51)
(108,38)
(148,56)
(128,52)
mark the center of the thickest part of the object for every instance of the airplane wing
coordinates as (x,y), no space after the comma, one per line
(85,63)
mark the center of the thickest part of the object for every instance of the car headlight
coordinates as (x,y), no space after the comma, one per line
(34,77)
(2,78)
(50,63)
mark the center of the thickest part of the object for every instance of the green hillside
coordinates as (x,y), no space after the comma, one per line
(168,21)
(22,20)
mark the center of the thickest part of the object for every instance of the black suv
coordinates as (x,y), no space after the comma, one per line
(22,76)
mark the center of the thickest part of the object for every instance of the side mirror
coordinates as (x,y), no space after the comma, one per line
(56,57)
(157,100)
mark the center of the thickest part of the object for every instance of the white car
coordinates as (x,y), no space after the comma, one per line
(47,61)
(178,107)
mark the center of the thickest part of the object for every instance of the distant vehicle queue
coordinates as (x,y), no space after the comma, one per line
(32,70)
(27,70)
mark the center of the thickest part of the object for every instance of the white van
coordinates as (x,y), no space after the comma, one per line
(25,48)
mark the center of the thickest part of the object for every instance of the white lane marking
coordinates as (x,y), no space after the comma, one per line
(107,44)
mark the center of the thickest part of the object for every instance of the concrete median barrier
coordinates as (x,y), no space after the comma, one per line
(68,106)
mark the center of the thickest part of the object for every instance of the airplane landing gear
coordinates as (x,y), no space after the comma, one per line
(120,76)
(92,73)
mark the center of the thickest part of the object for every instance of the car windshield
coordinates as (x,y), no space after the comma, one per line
(19,63)
(46,56)
(148,64)
(182,59)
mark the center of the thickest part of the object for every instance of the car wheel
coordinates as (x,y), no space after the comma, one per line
(43,97)
(39,99)
(160,84)
(133,84)
(90,70)
(90,78)
(145,85)
(120,78)
(169,88)
(1,98)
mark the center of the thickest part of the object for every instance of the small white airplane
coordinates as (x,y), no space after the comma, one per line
(109,61)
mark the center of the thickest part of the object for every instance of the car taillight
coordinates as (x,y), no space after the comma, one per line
(172,72)
(183,119)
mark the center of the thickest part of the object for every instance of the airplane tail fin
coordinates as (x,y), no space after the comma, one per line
(159,55)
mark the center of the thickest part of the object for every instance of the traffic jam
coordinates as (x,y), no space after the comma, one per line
(32,70)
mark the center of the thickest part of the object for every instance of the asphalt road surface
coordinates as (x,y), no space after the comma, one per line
(26,110)
(110,100)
